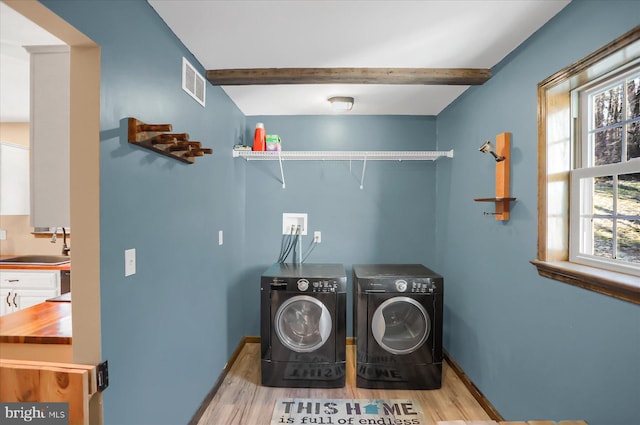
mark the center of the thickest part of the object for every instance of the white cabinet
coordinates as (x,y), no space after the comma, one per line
(14,179)
(49,135)
(23,288)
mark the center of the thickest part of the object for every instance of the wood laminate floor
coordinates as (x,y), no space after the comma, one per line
(242,400)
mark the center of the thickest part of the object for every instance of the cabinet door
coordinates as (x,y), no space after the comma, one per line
(50,82)
(27,297)
(17,299)
(6,306)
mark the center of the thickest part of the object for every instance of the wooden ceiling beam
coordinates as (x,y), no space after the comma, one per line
(409,76)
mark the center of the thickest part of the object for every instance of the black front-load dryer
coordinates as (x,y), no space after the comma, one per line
(303,325)
(397,316)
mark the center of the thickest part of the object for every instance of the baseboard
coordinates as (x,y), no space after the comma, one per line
(234,356)
(477,394)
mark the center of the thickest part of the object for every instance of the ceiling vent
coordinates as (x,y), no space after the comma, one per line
(192,82)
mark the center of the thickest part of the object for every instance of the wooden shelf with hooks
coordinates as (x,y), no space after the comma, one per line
(158,138)
(502,199)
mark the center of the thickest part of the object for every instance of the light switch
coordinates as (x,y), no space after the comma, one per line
(220,237)
(129,262)
(3,235)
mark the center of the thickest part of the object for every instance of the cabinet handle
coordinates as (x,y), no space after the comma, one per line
(7,299)
(15,294)
(13,280)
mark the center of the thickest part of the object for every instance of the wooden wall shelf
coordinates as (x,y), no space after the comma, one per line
(156,137)
(502,206)
(502,199)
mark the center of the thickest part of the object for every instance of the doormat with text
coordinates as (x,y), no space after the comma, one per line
(304,411)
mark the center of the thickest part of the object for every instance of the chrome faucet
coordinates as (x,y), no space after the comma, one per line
(65,247)
(54,238)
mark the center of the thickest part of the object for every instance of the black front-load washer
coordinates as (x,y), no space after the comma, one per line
(303,325)
(397,316)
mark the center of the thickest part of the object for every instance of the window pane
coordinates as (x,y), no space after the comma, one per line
(628,231)
(603,237)
(629,240)
(607,147)
(629,195)
(633,140)
(607,107)
(633,97)
(603,196)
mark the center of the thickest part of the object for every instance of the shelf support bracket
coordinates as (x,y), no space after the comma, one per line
(281,171)
(364,169)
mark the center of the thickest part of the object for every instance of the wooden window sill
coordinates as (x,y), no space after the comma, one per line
(619,285)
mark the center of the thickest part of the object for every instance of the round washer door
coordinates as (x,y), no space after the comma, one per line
(303,324)
(400,325)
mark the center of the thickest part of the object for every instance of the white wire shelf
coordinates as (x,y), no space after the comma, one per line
(363,156)
(342,155)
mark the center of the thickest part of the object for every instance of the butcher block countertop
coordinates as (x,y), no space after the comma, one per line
(44,323)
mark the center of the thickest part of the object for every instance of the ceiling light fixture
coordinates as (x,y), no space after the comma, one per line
(341,103)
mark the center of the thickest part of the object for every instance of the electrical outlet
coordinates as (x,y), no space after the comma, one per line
(317,236)
(129,262)
(3,235)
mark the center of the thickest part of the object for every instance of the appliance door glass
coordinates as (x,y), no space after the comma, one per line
(400,325)
(303,324)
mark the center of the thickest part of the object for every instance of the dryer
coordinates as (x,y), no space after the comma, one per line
(303,325)
(397,316)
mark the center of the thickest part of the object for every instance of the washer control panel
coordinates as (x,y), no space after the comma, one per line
(319,285)
(422,286)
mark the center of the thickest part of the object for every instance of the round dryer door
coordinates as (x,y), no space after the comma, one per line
(400,325)
(303,324)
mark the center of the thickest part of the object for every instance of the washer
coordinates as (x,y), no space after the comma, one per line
(303,325)
(397,316)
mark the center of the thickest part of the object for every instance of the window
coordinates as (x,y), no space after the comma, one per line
(605,183)
(589,171)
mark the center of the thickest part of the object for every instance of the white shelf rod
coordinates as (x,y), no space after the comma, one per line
(342,155)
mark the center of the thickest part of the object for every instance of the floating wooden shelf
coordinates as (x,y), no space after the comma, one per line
(502,199)
(502,206)
(155,137)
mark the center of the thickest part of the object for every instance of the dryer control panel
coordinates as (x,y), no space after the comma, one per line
(414,285)
(324,285)
(405,285)
(421,286)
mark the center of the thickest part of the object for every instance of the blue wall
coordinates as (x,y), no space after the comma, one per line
(535,347)
(390,220)
(167,331)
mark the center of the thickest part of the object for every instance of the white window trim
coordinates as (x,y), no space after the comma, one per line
(581,235)
(575,221)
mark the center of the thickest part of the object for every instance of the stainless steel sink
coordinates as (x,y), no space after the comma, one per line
(37,259)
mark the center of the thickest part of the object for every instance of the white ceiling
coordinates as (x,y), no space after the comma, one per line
(324,33)
(17,31)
